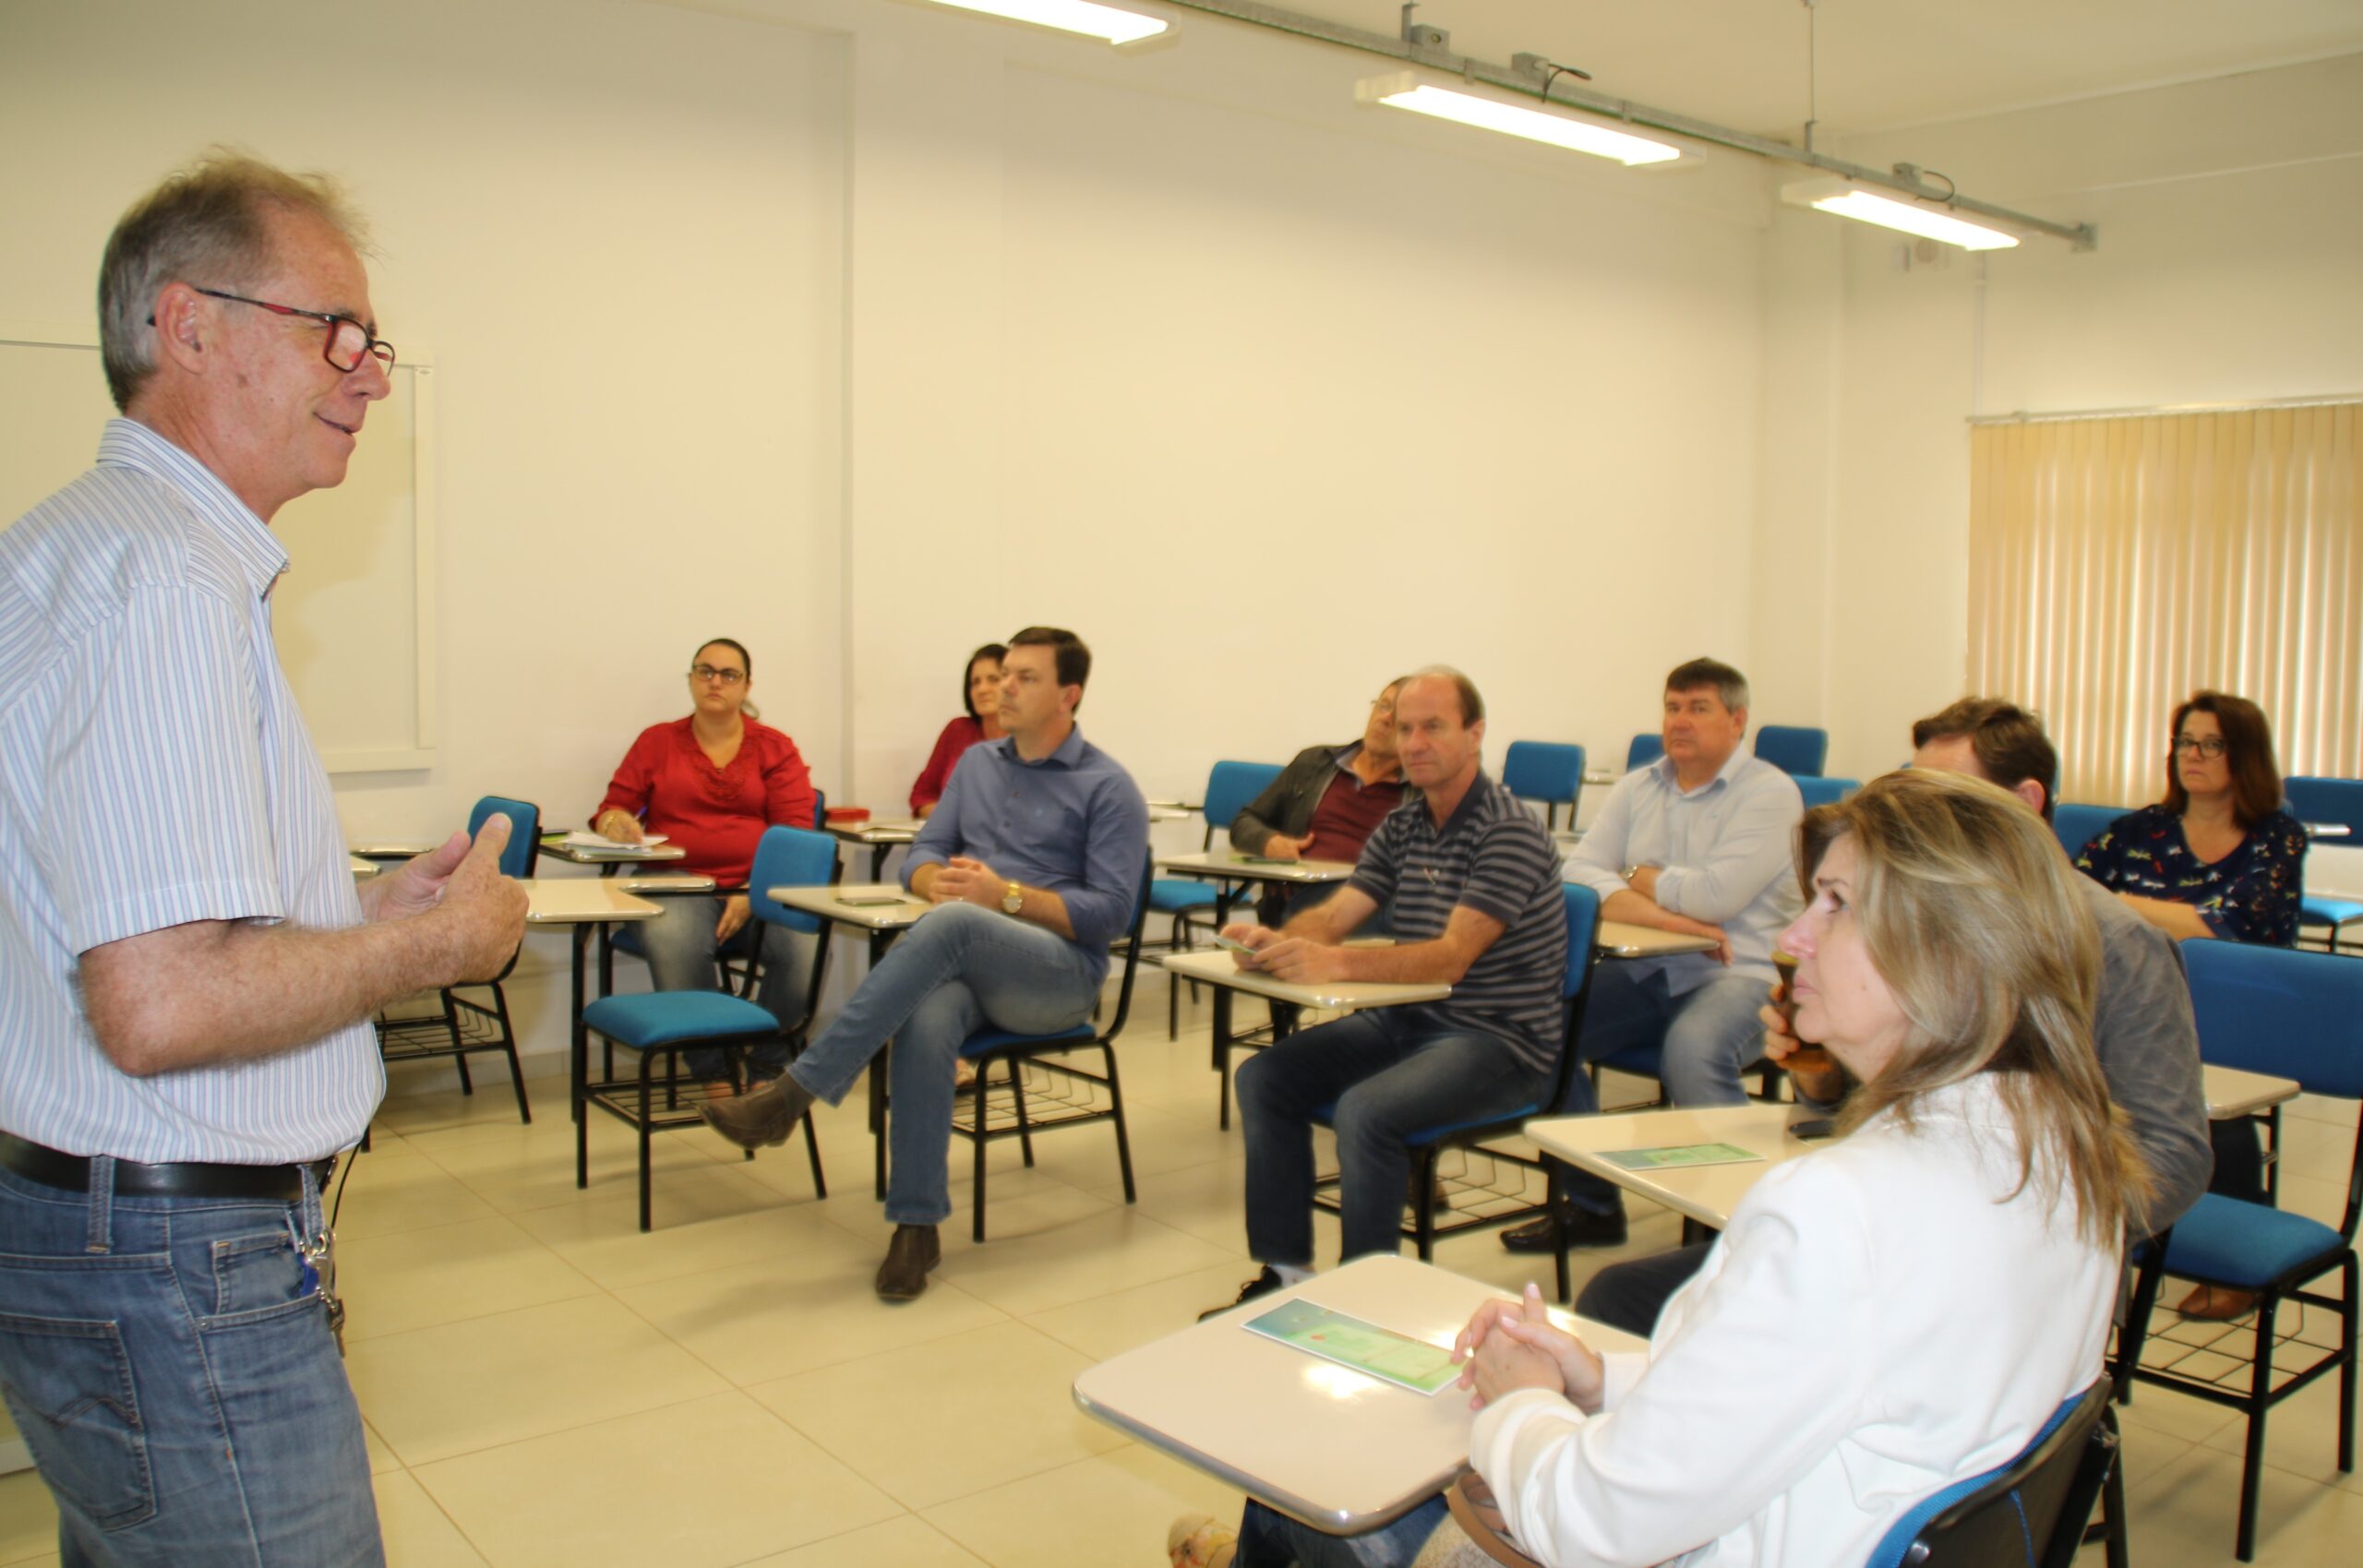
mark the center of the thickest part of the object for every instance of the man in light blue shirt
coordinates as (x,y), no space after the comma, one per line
(1035,858)
(1702,842)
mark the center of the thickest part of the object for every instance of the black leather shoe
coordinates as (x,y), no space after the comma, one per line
(1262,1285)
(913,1252)
(1586,1227)
(760,1115)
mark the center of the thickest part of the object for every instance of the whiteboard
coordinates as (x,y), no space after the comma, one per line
(354,615)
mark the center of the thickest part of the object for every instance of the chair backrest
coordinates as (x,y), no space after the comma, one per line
(1795,750)
(819,811)
(789,858)
(2326,800)
(1647,747)
(2030,1511)
(2079,825)
(1819,791)
(1133,949)
(2277,1010)
(1230,787)
(1582,905)
(1548,770)
(524,831)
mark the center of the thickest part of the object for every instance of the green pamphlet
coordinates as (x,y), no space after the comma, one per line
(1677,1155)
(1396,1357)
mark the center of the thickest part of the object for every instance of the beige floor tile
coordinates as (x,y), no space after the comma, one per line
(1209,1201)
(906,1542)
(703,1220)
(390,1192)
(713,1481)
(455,1388)
(1024,1270)
(425,1097)
(381,1458)
(954,1416)
(812,1304)
(2172,1413)
(1173,1138)
(414,1278)
(518,1170)
(27,1518)
(2301,1434)
(1109,1325)
(1113,1508)
(2186,1517)
(419,1534)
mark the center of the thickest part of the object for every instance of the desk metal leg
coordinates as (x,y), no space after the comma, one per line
(1222,1053)
(579,1045)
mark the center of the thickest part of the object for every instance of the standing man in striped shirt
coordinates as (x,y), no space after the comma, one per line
(1474,882)
(187,969)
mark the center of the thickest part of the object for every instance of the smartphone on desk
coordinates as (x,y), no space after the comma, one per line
(1233,944)
(872,900)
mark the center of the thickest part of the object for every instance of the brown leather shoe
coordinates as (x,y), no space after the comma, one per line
(766,1115)
(2217,1303)
(913,1252)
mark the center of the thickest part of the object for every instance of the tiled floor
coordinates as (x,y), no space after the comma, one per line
(544,1384)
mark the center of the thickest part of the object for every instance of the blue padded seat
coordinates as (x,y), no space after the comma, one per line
(2245,1245)
(990,1039)
(647,1020)
(1420,1138)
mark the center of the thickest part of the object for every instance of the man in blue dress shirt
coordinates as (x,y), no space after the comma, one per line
(1034,860)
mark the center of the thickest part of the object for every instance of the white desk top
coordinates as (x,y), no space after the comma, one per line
(1216,968)
(1176,805)
(1706,1193)
(2326,829)
(2232,1090)
(1333,1447)
(583,856)
(1222,863)
(361,867)
(829,903)
(876,832)
(658,886)
(1600,776)
(385,849)
(572,900)
(1616,939)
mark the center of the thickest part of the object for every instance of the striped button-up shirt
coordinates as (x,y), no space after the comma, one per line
(154,771)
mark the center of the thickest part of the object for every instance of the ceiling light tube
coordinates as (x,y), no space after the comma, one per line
(1129,27)
(1491,109)
(1895,210)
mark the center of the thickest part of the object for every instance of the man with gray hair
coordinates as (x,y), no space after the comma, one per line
(187,968)
(1699,841)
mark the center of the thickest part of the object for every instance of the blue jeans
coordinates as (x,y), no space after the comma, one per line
(1632,1295)
(178,1383)
(1269,1539)
(680,949)
(1704,1037)
(1392,1071)
(960,968)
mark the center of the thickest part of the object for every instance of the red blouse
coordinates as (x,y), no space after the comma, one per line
(714,814)
(949,747)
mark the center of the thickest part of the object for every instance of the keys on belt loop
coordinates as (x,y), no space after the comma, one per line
(316,1251)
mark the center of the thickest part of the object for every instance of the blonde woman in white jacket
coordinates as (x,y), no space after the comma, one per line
(1885,1316)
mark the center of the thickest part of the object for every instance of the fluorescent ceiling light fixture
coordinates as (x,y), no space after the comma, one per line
(1111,23)
(1900,212)
(1502,112)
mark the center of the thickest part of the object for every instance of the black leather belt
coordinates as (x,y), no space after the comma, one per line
(270,1183)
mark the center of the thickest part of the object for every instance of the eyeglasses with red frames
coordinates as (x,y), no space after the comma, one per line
(348,340)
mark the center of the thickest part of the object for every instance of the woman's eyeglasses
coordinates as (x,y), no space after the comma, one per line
(2207,746)
(707,672)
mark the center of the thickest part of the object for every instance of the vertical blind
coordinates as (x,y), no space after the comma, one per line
(2119,563)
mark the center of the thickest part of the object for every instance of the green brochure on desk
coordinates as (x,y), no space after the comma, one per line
(1678,1156)
(1396,1357)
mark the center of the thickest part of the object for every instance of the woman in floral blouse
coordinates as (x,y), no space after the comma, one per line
(2221,857)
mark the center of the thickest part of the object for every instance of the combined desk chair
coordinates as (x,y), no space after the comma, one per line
(2321,801)
(2030,1511)
(1428,1145)
(1647,747)
(2077,826)
(1798,750)
(1231,788)
(664,1024)
(1818,791)
(2297,1015)
(466,1026)
(1017,1109)
(1548,772)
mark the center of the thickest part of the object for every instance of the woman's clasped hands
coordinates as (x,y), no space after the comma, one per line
(1514,1345)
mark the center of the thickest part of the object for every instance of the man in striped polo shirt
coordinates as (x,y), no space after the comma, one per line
(1473,883)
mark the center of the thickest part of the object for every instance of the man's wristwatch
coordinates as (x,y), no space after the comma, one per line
(1015,899)
(1632,871)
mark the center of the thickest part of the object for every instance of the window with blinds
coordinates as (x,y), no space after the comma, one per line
(2119,563)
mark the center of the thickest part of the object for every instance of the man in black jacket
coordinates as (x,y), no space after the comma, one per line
(1323,807)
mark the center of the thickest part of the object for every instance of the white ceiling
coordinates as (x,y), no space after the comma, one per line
(1882,63)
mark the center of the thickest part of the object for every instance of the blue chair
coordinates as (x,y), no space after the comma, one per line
(1491,1206)
(2030,1511)
(1795,750)
(2295,1015)
(1545,771)
(1190,902)
(2079,825)
(1647,747)
(1018,1109)
(659,1026)
(2319,802)
(1819,791)
(467,1026)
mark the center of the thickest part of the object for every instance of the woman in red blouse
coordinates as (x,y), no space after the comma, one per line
(710,784)
(982,722)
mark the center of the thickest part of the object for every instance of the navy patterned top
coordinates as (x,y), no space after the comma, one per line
(2251,895)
